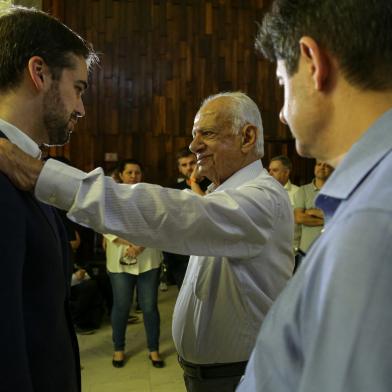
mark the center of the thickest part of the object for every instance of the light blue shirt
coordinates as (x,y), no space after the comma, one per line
(331,329)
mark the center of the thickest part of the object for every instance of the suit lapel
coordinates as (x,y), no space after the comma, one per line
(45,209)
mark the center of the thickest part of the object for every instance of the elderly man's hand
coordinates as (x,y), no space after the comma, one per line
(195,176)
(21,168)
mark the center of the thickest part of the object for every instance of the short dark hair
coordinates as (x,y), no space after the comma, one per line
(27,32)
(284,159)
(183,153)
(357,33)
(129,161)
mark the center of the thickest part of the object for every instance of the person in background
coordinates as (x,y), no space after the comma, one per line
(280,168)
(186,162)
(189,173)
(86,302)
(129,265)
(306,214)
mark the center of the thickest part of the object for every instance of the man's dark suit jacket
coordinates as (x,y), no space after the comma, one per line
(39,350)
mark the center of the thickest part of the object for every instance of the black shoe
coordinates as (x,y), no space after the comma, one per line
(118,364)
(84,331)
(157,363)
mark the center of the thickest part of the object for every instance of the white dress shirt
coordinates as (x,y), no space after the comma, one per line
(240,236)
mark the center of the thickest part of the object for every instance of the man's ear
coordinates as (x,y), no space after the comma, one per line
(317,61)
(38,72)
(248,137)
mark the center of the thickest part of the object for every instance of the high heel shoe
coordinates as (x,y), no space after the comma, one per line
(157,363)
(118,364)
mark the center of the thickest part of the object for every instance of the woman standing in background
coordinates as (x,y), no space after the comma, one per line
(128,264)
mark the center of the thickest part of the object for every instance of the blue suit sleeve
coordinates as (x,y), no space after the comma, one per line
(15,373)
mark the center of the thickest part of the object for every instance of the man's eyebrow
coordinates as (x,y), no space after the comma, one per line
(82,82)
(203,130)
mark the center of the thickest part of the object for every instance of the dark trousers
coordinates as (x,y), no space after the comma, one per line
(176,265)
(86,304)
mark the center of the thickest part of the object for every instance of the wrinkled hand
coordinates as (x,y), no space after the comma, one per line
(21,168)
(195,176)
(194,180)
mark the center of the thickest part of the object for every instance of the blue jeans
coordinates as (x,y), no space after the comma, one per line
(123,285)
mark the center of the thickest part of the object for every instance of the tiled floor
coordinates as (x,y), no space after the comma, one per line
(138,375)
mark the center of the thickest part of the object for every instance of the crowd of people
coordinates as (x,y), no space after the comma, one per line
(242,320)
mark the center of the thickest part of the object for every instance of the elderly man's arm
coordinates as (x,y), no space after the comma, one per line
(21,168)
(234,223)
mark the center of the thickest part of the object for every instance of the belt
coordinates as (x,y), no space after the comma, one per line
(203,372)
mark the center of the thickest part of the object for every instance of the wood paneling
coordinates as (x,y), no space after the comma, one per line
(159,59)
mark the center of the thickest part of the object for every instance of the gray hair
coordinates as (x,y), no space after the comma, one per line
(243,111)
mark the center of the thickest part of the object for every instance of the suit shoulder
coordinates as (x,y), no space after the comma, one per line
(9,194)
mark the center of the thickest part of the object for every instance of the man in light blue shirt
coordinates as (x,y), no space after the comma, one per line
(331,329)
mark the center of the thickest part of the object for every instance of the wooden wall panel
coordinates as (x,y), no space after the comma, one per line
(159,60)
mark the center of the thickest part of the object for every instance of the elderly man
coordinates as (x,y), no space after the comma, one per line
(239,234)
(280,168)
(43,73)
(331,329)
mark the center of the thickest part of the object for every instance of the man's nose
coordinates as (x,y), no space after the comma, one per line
(196,144)
(281,117)
(80,112)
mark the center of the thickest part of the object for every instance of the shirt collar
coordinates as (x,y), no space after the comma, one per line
(24,142)
(314,185)
(247,173)
(288,185)
(358,162)
(361,158)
